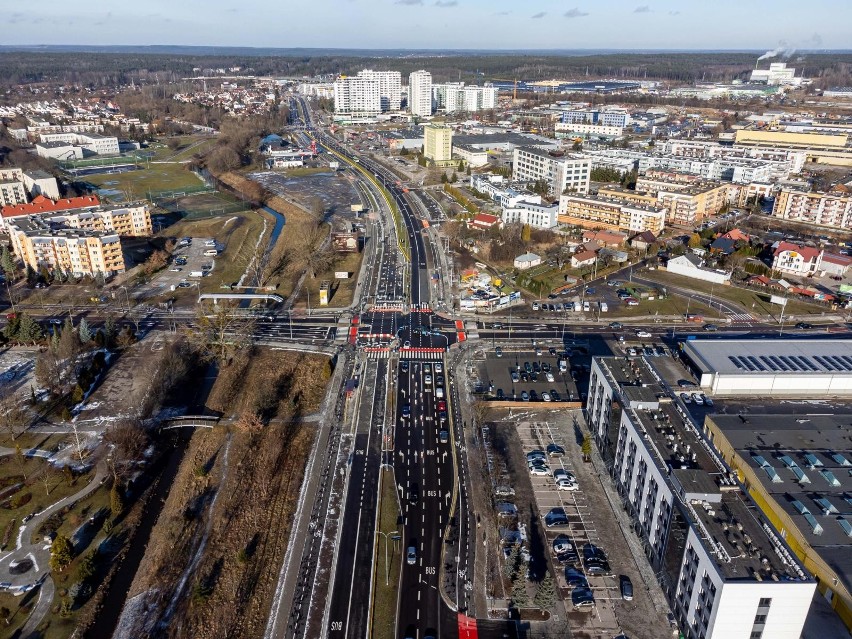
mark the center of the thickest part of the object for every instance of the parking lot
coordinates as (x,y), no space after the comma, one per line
(588,519)
(530,375)
(188,264)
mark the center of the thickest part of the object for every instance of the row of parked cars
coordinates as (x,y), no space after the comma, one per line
(696,398)
(577,307)
(538,466)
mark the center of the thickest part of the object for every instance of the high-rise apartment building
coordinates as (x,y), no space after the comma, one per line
(832,210)
(357,97)
(390,87)
(420,93)
(455,97)
(438,144)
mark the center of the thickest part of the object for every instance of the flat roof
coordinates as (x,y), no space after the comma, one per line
(771,356)
(697,476)
(805,462)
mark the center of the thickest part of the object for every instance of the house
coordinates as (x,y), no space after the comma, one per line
(643,240)
(527,260)
(619,257)
(723,246)
(583,258)
(483,221)
(693,266)
(736,235)
(835,265)
(795,259)
(605,238)
(762,280)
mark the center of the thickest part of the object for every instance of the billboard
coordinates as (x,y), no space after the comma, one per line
(325,289)
(345,242)
(777,299)
(341,275)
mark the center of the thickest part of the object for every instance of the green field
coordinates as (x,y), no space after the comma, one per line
(139,184)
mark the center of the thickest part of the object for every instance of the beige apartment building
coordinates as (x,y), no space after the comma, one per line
(131,221)
(614,214)
(75,251)
(438,144)
(688,206)
(833,210)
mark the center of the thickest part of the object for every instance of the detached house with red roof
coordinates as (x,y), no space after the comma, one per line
(796,260)
(483,221)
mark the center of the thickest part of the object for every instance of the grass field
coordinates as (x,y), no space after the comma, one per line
(138,184)
(343,291)
(386,577)
(671,305)
(752,301)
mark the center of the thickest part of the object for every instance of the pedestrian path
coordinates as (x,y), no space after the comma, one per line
(742,318)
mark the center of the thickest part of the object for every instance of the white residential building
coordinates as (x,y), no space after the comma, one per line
(536,215)
(41,183)
(420,93)
(570,129)
(357,97)
(561,171)
(453,97)
(726,572)
(390,87)
(693,266)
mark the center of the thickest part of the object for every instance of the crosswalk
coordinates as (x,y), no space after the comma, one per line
(378,352)
(421,307)
(742,318)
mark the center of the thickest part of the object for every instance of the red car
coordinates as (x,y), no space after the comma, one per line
(442,405)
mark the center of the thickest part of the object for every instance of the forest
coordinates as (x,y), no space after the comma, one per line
(102,69)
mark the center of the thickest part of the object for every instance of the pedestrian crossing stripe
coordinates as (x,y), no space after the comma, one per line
(422,307)
(741,317)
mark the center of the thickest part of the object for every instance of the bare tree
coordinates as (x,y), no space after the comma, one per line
(129,439)
(220,332)
(14,418)
(263,265)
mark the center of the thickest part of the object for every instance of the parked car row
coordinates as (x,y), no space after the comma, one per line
(696,398)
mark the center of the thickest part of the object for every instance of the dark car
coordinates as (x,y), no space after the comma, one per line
(533,396)
(556,517)
(575,578)
(616,325)
(626,588)
(711,328)
(528,367)
(597,567)
(590,551)
(536,367)
(501,394)
(555,396)
(555,450)
(406,410)
(583,598)
(804,325)
(404,367)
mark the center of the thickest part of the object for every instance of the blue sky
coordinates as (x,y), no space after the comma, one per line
(436,24)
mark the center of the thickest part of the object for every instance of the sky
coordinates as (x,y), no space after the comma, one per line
(436,24)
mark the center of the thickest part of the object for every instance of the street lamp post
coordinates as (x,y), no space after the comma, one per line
(394,535)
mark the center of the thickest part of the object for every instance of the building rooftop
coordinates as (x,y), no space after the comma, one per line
(34,225)
(771,356)
(615,201)
(498,139)
(805,462)
(41,204)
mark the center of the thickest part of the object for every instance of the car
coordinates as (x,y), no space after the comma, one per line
(404,366)
(439,392)
(176,269)
(597,567)
(533,396)
(411,556)
(549,376)
(536,454)
(525,377)
(515,377)
(406,344)
(442,405)
(504,491)
(500,394)
(616,325)
(648,351)
(575,578)
(439,367)
(561,473)
(498,351)
(406,410)
(546,367)
(582,598)
(804,325)
(528,367)
(623,295)
(626,588)
(697,399)
(540,470)
(591,551)
(631,301)
(536,367)
(427,368)
(590,290)
(707,400)
(184,285)
(562,543)
(642,334)
(586,307)
(555,450)
(535,306)
(684,383)
(567,484)
(710,328)
(555,396)
(545,397)
(525,396)
(427,379)
(443,437)
(631,352)
(556,517)
(686,398)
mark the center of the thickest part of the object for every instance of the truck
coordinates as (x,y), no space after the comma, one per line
(196,273)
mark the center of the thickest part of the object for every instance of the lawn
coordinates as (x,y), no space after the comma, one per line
(753,301)
(343,291)
(141,183)
(385,591)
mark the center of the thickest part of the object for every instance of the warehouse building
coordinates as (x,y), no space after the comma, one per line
(776,367)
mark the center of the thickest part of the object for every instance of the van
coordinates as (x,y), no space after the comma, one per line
(211,253)
(196,273)
(563,365)
(604,307)
(439,392)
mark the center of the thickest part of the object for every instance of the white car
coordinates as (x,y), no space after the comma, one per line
(561,474)
(439,367)
(567,484)
(643,334)
(549,377)
(545,396)
(540,470)
(427,379)
(697,398)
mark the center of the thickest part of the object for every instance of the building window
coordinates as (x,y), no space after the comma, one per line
(765,602)
(759,620)
(756,634)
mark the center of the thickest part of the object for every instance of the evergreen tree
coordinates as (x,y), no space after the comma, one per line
(109,331)
(84,332)
(520,598)
(61,553)
(545,596)
(526,233)
(29,331)
(511,565)
(116,501)
(454,177)
(587,448)
(7,262)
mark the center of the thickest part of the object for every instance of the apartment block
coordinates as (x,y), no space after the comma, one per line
(833,210)
(453,97)
(688,206)
(724,568)
(562,171)
(78,252)
(615,214)
(569,129)
(420,93)
(438,144)
(390,87)
(129,221)
(534,214)
(12,193)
